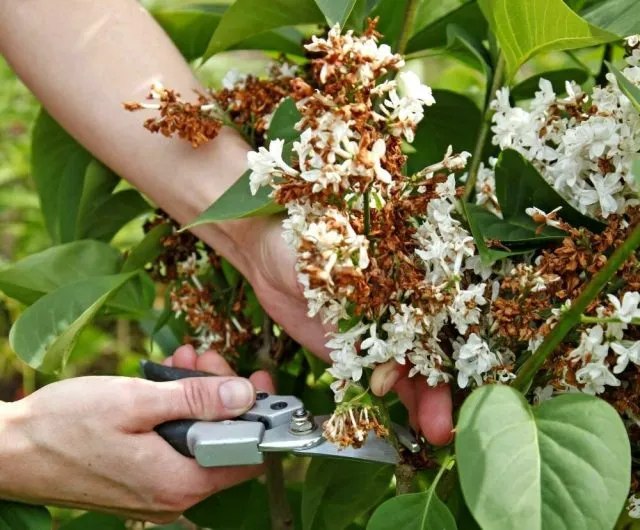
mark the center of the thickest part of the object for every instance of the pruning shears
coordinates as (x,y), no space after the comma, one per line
(274,424)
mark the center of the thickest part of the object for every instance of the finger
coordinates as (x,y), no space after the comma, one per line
(199,398)
(386,375)
(406,390)
(435,412)
(185,357)
(168,361)
(262,382)
(213,363)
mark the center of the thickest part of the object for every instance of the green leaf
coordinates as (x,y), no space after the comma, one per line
(563,464)
(460,38)
(148,249)
(518,230)
(617,16)
(99,183)
(527,88)
(248,18)
(282,124)
(527,27)
(18,516)
(44,335)
(337,491)
(112,214)
(416,511)
(628,88)
(453,120)
(191,27)
(58,165)
(237,203)
(39,274)
(243,507)
(519,186)
(97,521)
(468,17)
(336,11)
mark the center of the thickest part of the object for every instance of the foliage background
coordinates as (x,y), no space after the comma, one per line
(116,347)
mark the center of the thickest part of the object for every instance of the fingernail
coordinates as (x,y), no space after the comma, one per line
(391,377)
(384,378)
(236,394)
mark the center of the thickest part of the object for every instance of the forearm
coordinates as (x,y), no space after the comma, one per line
(82,59)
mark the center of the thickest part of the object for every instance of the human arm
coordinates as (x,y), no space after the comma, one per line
(82,59)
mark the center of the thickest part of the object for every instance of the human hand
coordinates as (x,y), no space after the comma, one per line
(274,280)
(99,430)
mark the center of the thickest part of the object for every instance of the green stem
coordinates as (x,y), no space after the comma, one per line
(476,159)
(573,315)
(606,320)
(407,25)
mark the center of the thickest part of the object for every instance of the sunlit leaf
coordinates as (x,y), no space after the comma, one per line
(563,464)
(527,27)
(248,18)
(416,511)
(191,27)
(336,11)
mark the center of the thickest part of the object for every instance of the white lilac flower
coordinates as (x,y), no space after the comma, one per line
(541,394)
(233,79)
(591,345)
(539,215)
(464,310)
(265,165)
(634,506)
(428,364)
(626,351)
(412,88)
(627,309)
(376,347)
(594,376)
(473,360)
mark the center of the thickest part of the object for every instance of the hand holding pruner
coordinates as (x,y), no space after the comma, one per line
(274,424)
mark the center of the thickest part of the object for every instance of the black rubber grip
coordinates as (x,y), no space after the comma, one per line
(160,372)
(175,433)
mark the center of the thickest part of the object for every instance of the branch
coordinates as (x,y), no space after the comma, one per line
(476,159)
(573,315)
(405,475)
(279,509)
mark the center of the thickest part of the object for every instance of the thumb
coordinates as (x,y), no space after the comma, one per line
(198,398)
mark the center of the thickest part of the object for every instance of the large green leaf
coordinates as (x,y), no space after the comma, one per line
(527,88)
(243,507)
(97,521)
(337,491)
(148,249)
(628,88)
(18,516)
(45,333)
(453,120)
(563,464)
(416,511)
(336,11)
(39,274)
(519,186)
(99,183)
(621,17)
(283,122)
(191,27)
(58,167)
(237,203)
(108,217)
(516,230)
(468,17)
(248,18)
(527,27)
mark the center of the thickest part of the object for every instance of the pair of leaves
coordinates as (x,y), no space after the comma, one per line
(338,491)
(563,464)
(528,27)
(519,186)
(18,516)
(191,27)
(75,190)
(238,202)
